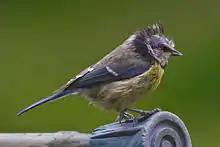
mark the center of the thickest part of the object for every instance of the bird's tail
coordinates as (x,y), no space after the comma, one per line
(47,99)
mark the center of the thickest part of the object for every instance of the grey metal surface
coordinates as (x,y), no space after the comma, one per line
(163,129)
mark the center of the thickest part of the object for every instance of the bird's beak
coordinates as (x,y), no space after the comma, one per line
(173,51)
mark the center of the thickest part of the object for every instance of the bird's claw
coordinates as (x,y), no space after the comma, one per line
(124,115)
(145,112)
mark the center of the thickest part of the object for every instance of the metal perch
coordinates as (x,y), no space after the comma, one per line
(162,129)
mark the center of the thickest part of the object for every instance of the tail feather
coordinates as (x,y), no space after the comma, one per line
(44,100)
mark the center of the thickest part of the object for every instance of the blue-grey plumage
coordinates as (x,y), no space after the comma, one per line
(121,77)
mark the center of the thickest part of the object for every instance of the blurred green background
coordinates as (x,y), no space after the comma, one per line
(45,43)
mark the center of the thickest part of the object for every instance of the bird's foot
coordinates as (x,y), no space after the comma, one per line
(124,115)
(144,112)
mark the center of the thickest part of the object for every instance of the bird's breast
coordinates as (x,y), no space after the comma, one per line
(121,94)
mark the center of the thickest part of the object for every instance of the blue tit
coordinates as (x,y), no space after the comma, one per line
(119,79)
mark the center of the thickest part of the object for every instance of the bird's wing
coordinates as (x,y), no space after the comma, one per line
(106,74)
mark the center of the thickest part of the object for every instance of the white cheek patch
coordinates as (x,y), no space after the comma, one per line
(150,50)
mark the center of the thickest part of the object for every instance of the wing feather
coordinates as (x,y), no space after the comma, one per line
(106,74)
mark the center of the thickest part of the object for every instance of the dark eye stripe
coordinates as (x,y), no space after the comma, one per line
(166,49)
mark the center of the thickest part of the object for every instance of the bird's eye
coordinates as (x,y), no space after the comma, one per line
(166,49)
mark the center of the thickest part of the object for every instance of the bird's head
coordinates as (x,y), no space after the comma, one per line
(151,41)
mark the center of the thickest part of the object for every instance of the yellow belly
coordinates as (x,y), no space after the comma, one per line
(122,94)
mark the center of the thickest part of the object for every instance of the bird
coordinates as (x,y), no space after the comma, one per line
(120,78)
